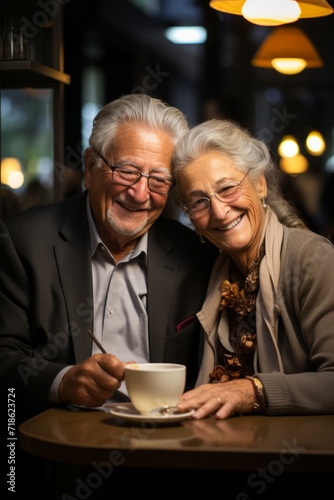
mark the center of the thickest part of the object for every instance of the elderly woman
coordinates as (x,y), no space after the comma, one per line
(268,317)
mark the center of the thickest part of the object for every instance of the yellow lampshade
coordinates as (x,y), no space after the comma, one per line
(308,8)
(294,165)
(288,50)
(315,8)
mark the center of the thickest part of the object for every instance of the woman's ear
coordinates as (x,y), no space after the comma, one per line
(262,186)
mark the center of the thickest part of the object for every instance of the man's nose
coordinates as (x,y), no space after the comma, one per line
(140,188)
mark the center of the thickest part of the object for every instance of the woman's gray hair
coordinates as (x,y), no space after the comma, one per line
(133,108)
(247,153)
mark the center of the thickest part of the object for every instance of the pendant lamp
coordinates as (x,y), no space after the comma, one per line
(273,12)
(287,50)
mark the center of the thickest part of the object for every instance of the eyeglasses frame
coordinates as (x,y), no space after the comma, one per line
(208,198)
(140,175)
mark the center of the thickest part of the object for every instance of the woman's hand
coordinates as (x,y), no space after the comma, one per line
(222,399)
(93,381)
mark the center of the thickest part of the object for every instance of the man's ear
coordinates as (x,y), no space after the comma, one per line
(89,162)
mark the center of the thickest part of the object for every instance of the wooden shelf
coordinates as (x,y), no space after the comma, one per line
(45,70)
(28,73)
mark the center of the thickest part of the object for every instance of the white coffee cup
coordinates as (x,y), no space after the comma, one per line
(154,385)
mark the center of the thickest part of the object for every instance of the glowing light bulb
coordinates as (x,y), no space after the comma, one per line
(288,147)
(271,12)
(315,143)
(11,172)
(289,65)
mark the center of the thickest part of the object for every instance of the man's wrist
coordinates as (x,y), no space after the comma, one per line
(54,389)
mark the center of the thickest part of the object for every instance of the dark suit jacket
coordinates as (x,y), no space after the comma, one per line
(46,296)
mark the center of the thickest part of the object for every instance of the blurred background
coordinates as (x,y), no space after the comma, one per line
(76,56)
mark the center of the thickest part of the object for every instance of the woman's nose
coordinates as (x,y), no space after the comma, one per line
(219,209)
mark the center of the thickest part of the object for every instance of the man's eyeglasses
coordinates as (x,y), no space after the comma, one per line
(127,177)
(227,194)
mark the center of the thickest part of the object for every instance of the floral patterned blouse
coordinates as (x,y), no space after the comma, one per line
(239,296)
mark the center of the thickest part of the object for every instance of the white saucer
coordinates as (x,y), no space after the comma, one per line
(73,406)
(128,412)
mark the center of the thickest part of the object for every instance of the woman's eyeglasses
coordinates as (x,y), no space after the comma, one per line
(226,194)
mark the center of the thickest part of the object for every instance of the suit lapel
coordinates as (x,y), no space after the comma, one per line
(73,261)
(161,283)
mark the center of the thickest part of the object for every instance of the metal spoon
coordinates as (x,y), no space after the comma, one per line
(165,410)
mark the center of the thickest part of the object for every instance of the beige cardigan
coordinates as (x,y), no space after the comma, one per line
(296,290)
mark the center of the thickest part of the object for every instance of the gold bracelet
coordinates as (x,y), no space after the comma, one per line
(259,406)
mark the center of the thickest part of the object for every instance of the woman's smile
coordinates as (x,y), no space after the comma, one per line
(231,225)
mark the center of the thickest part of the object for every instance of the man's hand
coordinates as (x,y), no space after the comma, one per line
(92,382)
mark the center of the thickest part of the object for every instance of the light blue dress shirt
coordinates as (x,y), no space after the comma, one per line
(120,292)
(120,296)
